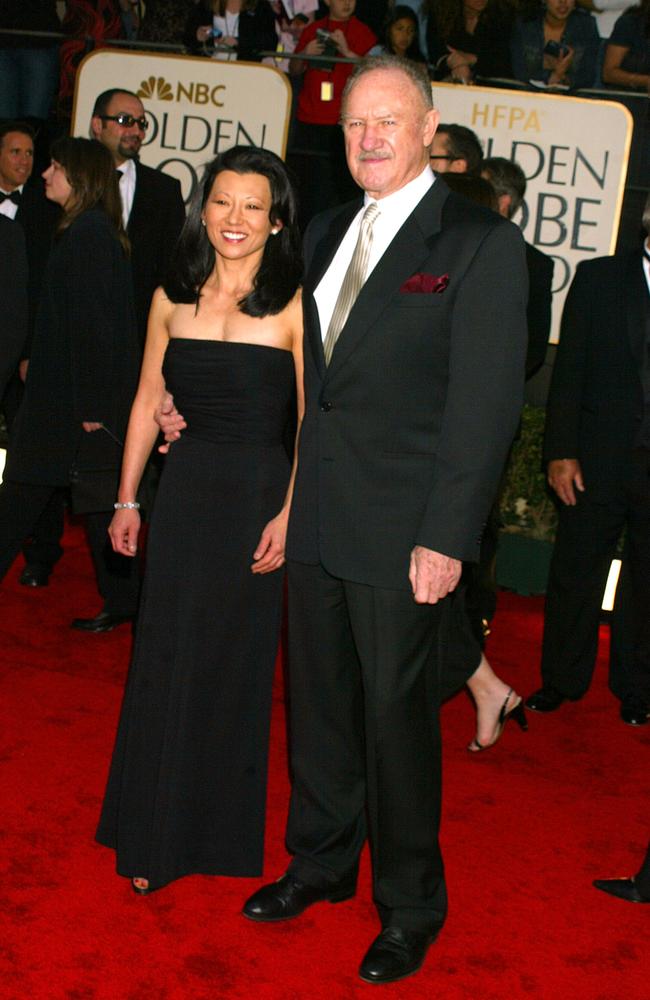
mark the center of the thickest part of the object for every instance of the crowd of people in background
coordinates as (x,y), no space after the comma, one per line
(557,44)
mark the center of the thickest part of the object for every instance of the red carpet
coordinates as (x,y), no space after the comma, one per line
(526,828)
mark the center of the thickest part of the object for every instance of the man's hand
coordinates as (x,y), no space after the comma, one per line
(91,425)
(170,422)
(563,474)
(432,575)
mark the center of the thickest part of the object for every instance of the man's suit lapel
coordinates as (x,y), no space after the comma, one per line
(322,257)
(636,294)
(410,247)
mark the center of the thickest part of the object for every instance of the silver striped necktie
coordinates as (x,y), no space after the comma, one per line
(353,280)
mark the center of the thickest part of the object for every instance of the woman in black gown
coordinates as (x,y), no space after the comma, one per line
(186,790)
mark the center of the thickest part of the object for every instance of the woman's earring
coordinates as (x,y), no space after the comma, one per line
(202,222)
(274,232)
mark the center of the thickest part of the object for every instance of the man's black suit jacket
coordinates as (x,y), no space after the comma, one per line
(405,433)
(595,404)
(38,218)
(538,311)
(13,298)
(157,216)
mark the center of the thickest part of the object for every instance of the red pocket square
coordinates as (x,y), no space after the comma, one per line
(426,283)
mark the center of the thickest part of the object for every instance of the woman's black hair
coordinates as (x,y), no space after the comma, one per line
(280,271)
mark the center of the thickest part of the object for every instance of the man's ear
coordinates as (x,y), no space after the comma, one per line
(431,122)
(95,126)
(505,205)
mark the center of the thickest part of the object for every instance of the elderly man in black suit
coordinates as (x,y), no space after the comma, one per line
(597,446)
(415,334)
(23,200)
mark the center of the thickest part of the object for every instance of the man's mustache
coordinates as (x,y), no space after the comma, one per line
(373,155)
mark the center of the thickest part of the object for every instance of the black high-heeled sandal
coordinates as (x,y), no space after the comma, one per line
(518,713)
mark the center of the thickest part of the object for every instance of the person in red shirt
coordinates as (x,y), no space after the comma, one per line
(319,157)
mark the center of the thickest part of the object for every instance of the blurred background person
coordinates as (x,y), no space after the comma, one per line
(82,372)
(555,45)
(231,29)
(467,39)
(627,56)
(24,202)
(400,35)
(455,149)
(291,18)
(13,297)
(317,153)
(29,66)
(163,21)
(597,453)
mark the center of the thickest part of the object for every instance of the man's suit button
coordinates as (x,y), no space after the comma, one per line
(325,406)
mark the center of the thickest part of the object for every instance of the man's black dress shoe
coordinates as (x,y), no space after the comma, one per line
(103,622)
(395,954)
(622,888)
(288,897)
(635,711)
(547,699)
(34,575)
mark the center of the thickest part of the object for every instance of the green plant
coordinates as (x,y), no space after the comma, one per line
(526,505)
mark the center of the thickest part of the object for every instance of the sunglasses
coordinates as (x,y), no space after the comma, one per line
(126,121)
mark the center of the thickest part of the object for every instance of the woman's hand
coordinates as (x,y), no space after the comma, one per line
(124,530)
(460,65)
(269,554)
(559,66)
(91,425)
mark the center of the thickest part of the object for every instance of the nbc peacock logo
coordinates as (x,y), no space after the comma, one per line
(156,87)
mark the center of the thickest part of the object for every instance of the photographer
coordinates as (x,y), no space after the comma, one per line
(555,47)
(318,144)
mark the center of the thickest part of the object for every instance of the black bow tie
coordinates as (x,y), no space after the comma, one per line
(14,196)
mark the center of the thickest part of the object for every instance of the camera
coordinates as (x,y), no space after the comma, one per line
(329,45)
(556,49)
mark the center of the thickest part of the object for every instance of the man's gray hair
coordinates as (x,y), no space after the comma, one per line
(645,218)
(415,73)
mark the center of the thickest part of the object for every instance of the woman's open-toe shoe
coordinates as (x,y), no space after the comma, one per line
(141,886)
(517,712)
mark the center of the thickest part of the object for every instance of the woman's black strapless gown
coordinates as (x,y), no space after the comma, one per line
(187,784)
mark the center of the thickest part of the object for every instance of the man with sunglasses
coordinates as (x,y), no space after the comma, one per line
(153,213)
(456,150)
(152,203)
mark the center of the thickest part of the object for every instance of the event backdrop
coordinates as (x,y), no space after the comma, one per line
(574,153)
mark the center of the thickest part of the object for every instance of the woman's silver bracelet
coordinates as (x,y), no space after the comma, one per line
(131,505)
